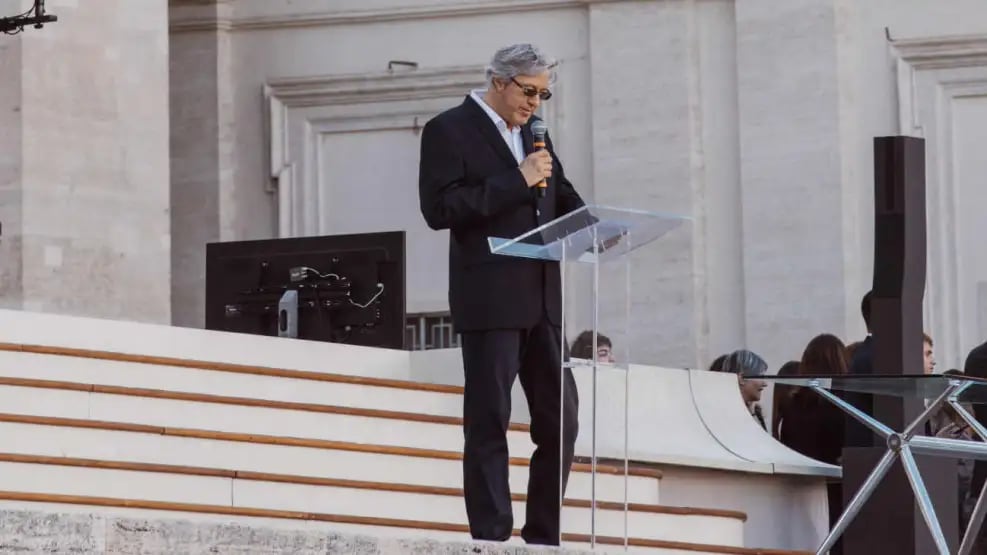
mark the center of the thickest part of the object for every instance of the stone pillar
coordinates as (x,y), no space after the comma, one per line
(202,147)
(84,165)
(789,82)
(665,139)
(11,170)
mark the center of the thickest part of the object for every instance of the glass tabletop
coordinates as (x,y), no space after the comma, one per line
(923,386)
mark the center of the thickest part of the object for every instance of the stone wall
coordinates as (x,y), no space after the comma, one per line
(10,171)
(90,167)
(754,120)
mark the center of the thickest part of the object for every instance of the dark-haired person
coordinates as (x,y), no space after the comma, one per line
(814,426)
(782,397)
(582,347)
(862,362)
(976,365)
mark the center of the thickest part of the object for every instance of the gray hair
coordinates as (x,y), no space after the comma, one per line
(745,363)
(518,59)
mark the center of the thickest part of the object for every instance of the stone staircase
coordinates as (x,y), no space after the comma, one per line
(130,435)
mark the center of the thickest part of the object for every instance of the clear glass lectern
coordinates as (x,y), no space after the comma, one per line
(593,236)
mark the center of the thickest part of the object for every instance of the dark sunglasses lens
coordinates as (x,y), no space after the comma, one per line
(545,95)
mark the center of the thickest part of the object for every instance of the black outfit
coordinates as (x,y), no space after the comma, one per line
(815,427)
(976,365)
(857,434)
(508,311)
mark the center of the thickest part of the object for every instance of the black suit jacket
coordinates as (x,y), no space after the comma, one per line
(976,365)
(856,434)
(469,183)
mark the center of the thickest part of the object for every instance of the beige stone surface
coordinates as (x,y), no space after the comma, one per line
(754,119)
(50,531)
(202,141)
(91,161)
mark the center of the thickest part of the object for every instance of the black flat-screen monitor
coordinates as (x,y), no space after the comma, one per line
(350,288)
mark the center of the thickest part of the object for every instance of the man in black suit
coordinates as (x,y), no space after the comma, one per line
(976,365)
(856,434)
(478,178)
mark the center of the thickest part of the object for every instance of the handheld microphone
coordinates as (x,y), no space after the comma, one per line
(538,130)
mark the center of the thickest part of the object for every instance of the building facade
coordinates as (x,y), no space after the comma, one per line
(755,118)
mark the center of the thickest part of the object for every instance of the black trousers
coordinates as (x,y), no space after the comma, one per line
(492,360)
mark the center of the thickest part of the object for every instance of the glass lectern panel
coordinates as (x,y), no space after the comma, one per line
(615,231)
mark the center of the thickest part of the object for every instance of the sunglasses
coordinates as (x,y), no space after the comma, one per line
(530,91)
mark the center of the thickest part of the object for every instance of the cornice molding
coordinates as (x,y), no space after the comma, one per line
(375,87)
(942,52)
(381,15)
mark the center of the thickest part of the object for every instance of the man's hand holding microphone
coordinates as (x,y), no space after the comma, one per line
(536,167)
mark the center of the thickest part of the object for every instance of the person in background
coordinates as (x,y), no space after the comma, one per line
(862,362)
(945,415)
(812,425)
(782,397)
(582,347)
(953,426)
(717,364)
(928,356)
(976,366)
(851,349)
(748,366)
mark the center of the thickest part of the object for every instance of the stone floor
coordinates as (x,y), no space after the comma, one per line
(53,532)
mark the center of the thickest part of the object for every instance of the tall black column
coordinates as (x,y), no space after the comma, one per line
(891,521)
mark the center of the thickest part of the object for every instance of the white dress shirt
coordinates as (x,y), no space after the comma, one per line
(511,136)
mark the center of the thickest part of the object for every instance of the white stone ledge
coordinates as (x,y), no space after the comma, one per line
(37,328)
(690,418)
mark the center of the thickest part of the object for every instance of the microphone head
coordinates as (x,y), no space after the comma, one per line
(539,129)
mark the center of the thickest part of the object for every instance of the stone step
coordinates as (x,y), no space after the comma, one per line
(155,407)
(234,380)
(346,498)
(89,439)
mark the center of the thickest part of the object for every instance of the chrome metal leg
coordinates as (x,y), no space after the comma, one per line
(969,419)
(627,396)
(857,503)
(976,521)
(980,509)
(863,418)
(562,366)
(627,385)
(596,327)
(922,498)
(933,406)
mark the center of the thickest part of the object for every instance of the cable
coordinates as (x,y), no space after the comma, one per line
(300,273)
(380,291)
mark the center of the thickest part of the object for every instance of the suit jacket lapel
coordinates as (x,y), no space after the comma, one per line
(490,131)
